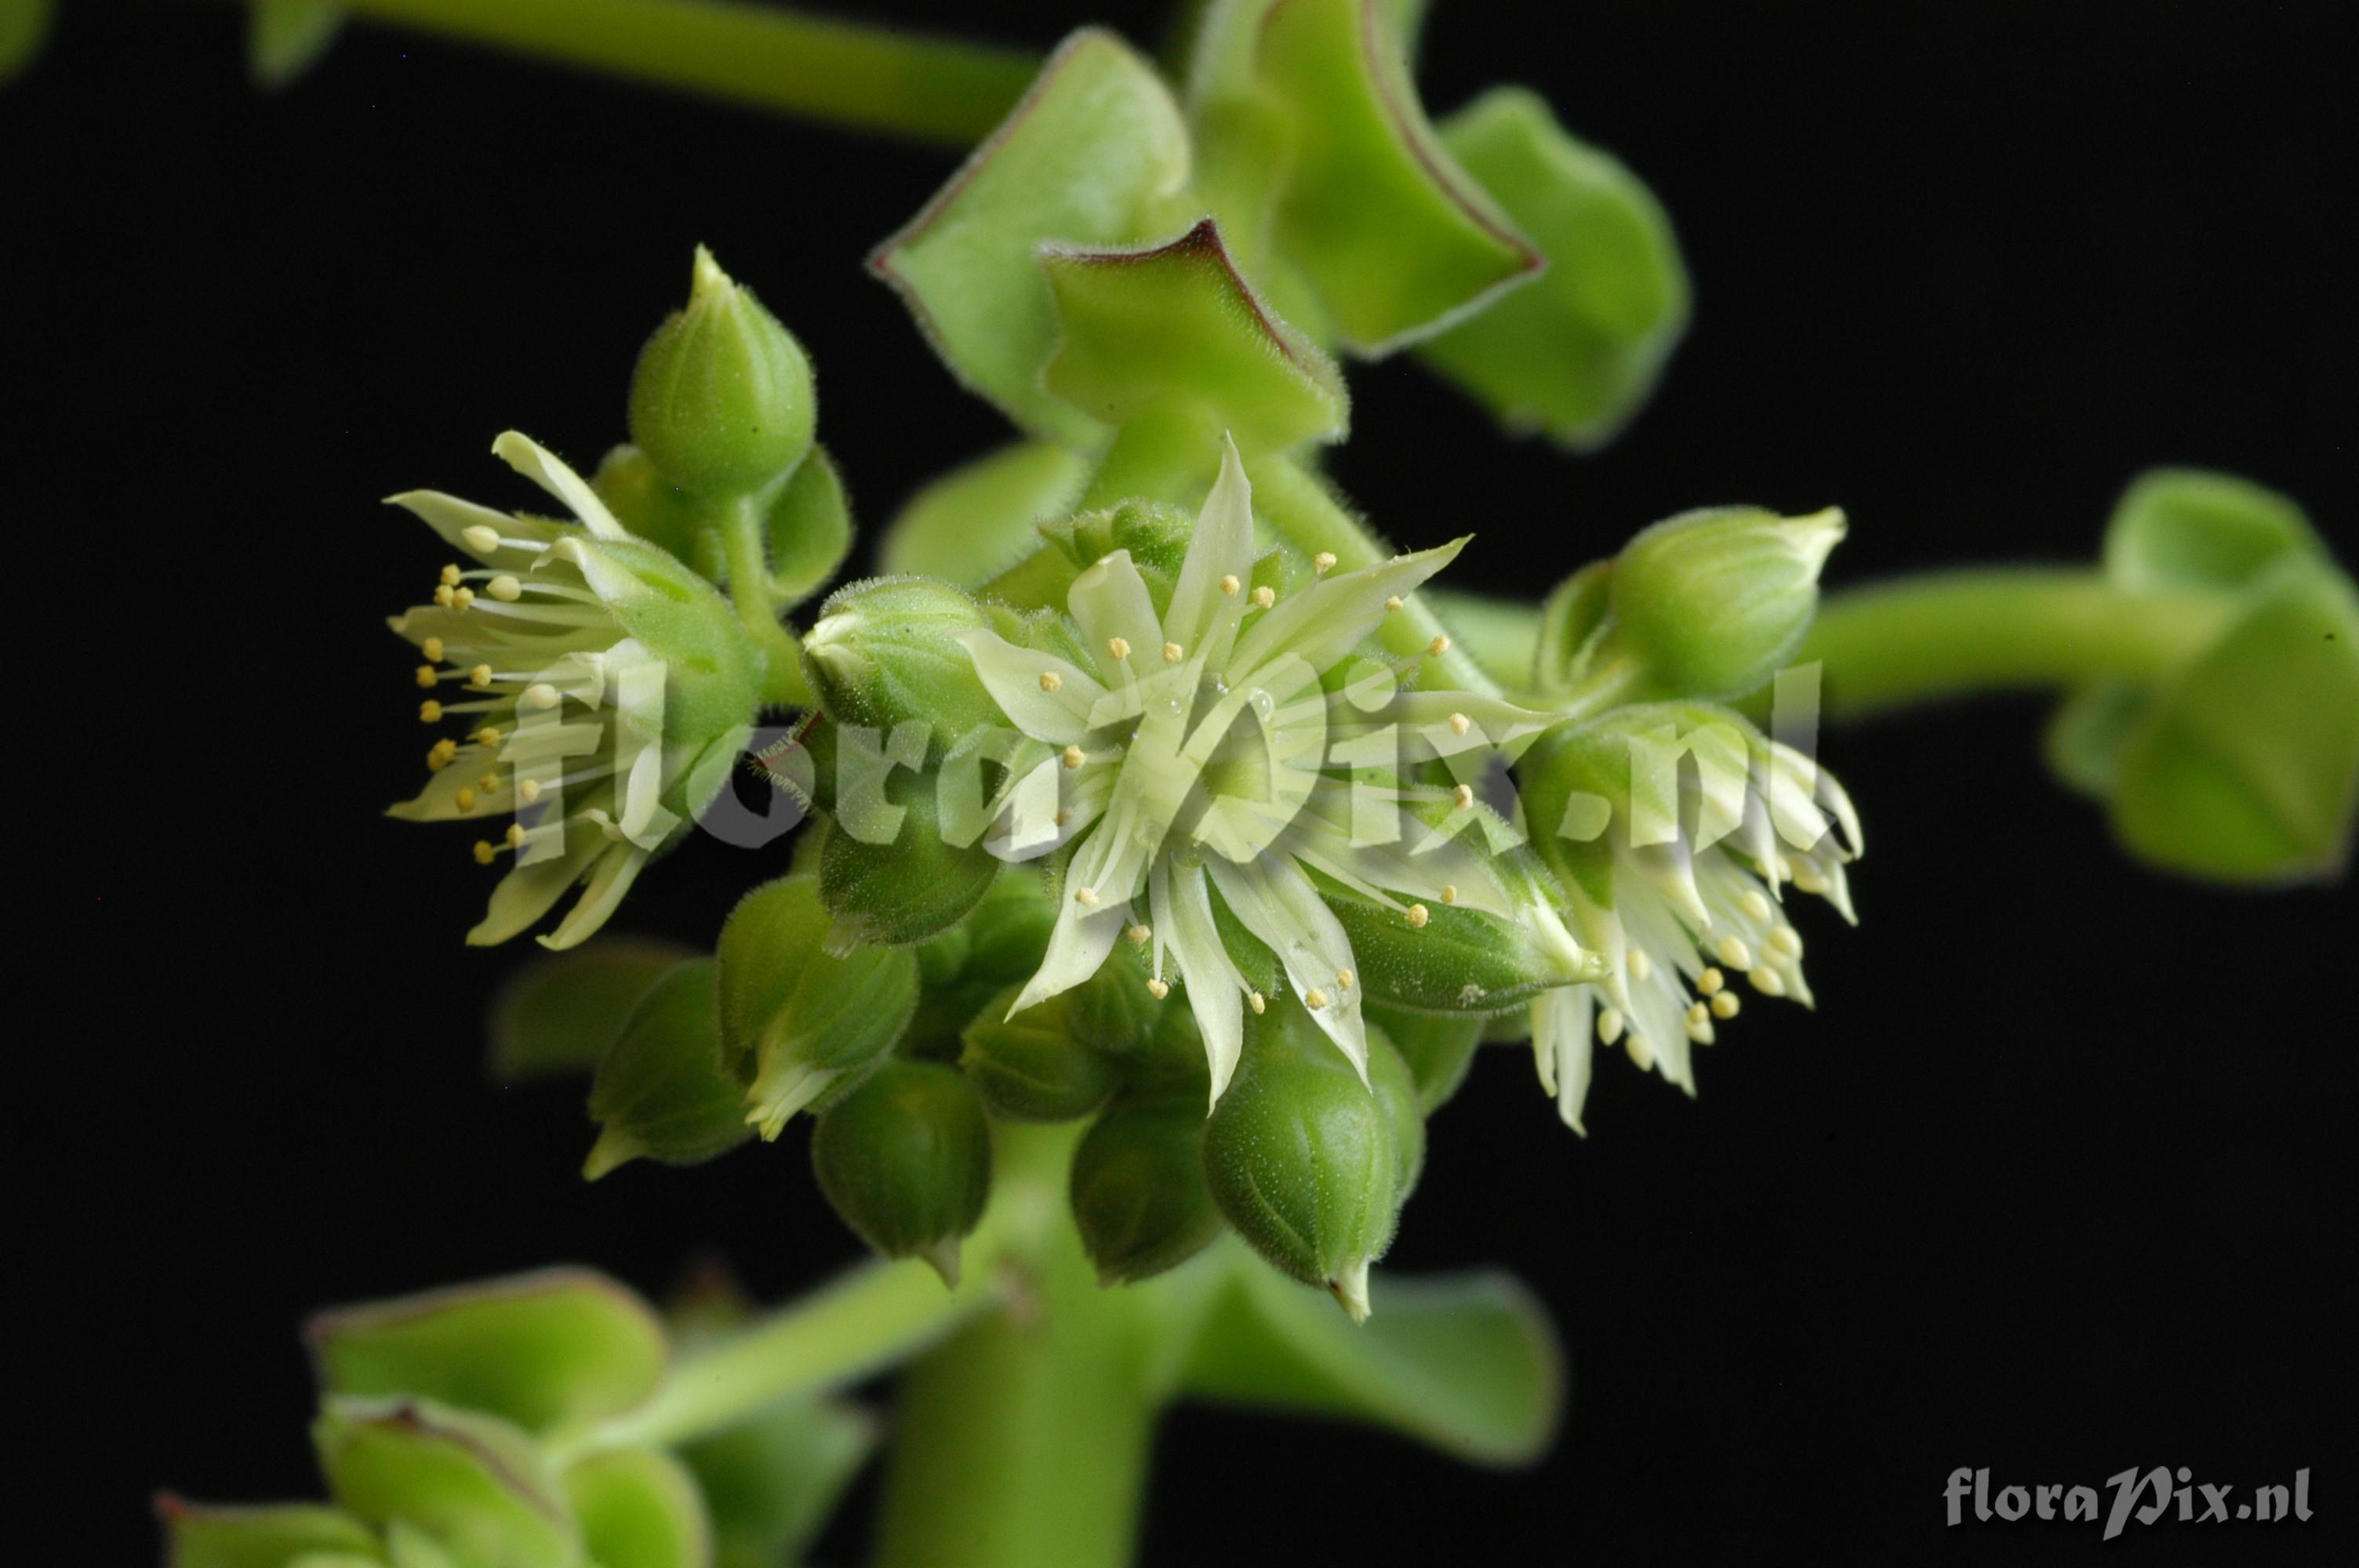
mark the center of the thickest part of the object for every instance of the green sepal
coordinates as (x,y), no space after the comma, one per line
(273,1535)
(658,511)
(474,1484)
(979,519)
(639,1508)
(1033,1066)
(808,529)
(1137,1187)
(1084,160)
(1574,354)
(535,1350)
(560,1014)
(2190,528)
(2244,766)
(1175,331)
(662,1091)
(1395,238)
(798,1023)
(284,38)
(1463,961)
(1571,617)
(905,1161)
(1302,1157)
(914,887)
(1467,1364)
(1437,1048)
(769,1484)
(1156,536)
(712,671)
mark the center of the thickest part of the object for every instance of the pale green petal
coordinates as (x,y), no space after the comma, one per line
(1562,1048)
(1110,600)
(1333,615)
(1203,617)
(1182,910)
(451,518)
(1281,908)
(548,471)
(1061,717)
(617,868)
(1078,943)
(1426,724)
(530,891)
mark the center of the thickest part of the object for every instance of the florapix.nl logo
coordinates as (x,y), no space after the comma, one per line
(2149,1497)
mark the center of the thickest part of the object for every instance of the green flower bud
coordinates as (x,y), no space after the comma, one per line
(913,884)
(1304,1159)
(662,1091)
(798,1022)
(888,651)
(1139,1191)
(1709,603)
(1437,1049)
(1156,536)
(1033,1066)
(722,401)
(906,1161)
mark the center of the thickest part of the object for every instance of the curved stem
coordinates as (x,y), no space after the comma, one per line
(848,73)
(1948,634)
(750,590)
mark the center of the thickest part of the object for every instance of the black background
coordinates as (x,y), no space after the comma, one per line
(2056,1182)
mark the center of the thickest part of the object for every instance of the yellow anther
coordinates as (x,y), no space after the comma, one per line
(1787,940)
(1642,1054)
(1265,595)
(1449,894)
(1324,561)
(516,835)
(1086,897)
(487,738)
(462,597)
(542,694)
(465,800)
(1609,1026)
(1711,982)
(1459,724)
(528,790)
(489,783)
(1462,796)
(1159,989)
(1735,952)
(1173,653)
(1641,966)
(1119,647)
(1345,979)
(1767,981)
(1137,935)
(1756,903)
(1314,999)
(429,712)
(1393,602)
(442,596)
(482,538)
(451,576)
(432,649)
(505,588)
(1438,646)
(1726,1004)
(480,675)
(484,853)
(1051,680)
(1230,584)
(1417,915)
(1257,1001)
(1073,757)
(1698,1013)
(1064,816)
(1807,878)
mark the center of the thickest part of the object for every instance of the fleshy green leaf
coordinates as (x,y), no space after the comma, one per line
(1397,239)
(2245,769)
(663,1092)
(564,1344)
(200,1535)
(1467,1364)
(288,37)
(2191,528)
(1574,354)
(978,520)
(1095,143)
(639,1507)
(810,529)
(559,1014)
(770,1484)
(474,1484)
(1175,328)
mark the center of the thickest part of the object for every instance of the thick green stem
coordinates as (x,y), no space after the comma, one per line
(866,76)
(1947,633)
(1024,1439)
(751,591)
(1293,502)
